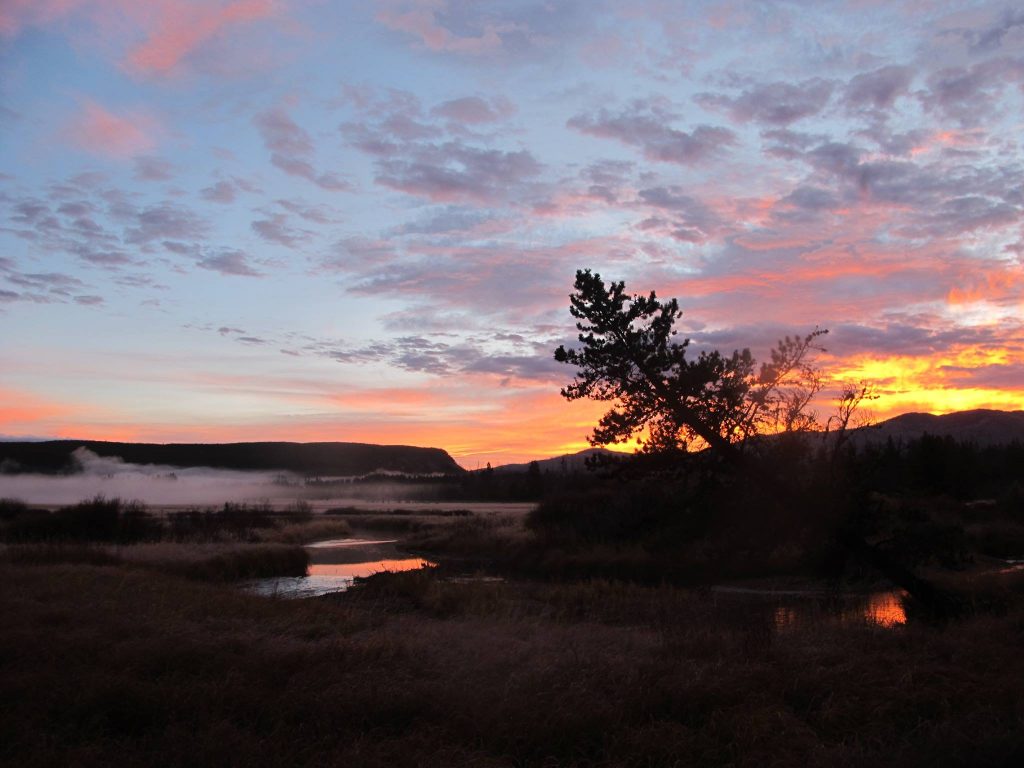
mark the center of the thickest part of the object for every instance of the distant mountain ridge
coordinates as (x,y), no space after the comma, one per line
(329,459)
(323,459)
(981,426)
(570,462)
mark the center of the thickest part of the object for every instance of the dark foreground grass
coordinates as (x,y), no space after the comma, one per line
(109,665)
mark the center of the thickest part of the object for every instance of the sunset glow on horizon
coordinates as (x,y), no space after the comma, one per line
(244,220)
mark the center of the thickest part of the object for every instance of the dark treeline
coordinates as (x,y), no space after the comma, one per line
(936,465)
(939,465)
(55,456)
(531,484)
(888,510)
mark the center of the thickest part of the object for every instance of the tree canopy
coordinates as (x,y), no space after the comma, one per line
(629,356)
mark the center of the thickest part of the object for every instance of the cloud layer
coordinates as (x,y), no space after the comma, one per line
(258,217)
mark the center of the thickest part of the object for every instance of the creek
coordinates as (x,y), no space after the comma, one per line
(335,564)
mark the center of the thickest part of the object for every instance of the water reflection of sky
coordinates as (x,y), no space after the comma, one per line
(881,609)
(339,563)
(362,570)
(885,609)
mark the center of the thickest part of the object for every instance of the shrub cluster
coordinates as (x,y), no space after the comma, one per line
(117,521)
(96,520)
(791,507)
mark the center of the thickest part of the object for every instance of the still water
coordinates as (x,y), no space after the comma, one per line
(335,565)
(790,609)
(881,609)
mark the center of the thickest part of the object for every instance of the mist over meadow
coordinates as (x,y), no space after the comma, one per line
(149,483)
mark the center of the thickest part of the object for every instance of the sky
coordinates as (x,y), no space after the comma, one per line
(230,220)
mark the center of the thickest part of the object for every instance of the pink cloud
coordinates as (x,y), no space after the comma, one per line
(420,19)
(472,110)
(646,124)
(180,28)
(118,135)
(171,30)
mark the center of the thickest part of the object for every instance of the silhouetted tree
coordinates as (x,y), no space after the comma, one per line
(851,397)
(629,356)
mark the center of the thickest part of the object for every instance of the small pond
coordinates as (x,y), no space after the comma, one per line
(334,566)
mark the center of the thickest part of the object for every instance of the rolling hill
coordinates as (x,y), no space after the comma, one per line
(982,427)
(570,462)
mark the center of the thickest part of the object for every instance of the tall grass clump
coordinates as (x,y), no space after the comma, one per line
(254,561)
(11,508)
(607,513)
(116,521)
(233,521)
(306,531)
(95,520)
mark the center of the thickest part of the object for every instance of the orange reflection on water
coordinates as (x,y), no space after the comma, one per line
(881,609)
(362,570)
(885,609)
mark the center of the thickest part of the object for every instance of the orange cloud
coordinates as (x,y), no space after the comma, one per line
(511,427)
(473,419)
(990,285)
(506,427)
(398,401)
(942,400)
(102,131)
(933,384)
(503,427)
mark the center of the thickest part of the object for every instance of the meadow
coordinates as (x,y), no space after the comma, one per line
(141,649)
(108,664)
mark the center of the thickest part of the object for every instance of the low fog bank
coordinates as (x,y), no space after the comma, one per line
(149,483)
(167,486)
